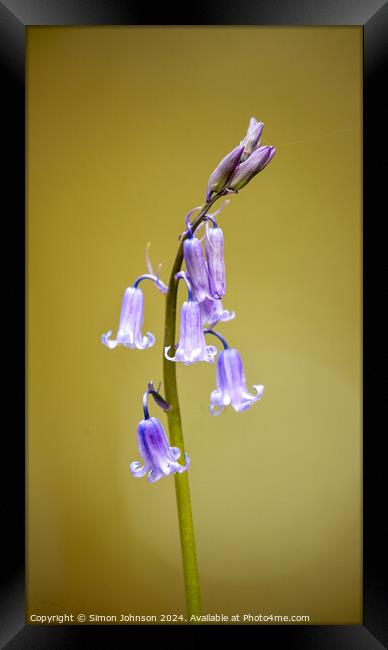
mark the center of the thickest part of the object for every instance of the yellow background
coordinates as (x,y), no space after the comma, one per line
(125,126)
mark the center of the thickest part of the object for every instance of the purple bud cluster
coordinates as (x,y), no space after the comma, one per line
(242,163)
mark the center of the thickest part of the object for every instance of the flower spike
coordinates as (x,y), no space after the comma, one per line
(159,459)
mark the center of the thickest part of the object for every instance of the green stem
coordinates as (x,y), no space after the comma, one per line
(182,487)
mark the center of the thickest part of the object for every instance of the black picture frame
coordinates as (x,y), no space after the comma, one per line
(15,16)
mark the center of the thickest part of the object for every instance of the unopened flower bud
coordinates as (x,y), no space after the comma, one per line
(252,138)
(252,166)
(224,169)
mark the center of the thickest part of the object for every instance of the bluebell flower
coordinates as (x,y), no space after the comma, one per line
(213,312)
(131,318)
(231,384)
(159,459)
(207,276)
(215,259)
(196,267)
(192,345)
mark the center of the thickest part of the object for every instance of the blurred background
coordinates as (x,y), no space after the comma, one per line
(124,127)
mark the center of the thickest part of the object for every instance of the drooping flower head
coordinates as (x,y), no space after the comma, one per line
(231,384)
(192,345)
(196,264)
(207,276)
(159,459)
(131,317)
(215,259)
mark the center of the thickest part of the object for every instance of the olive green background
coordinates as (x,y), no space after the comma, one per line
(124,127)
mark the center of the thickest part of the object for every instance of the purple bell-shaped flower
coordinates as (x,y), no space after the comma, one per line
(215,259)
(231,384)
(131,318)
(192,345)
(159,459)
(196,267)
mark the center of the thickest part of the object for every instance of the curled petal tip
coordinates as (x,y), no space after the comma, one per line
(218,402)
(137,469)
(259,391)
(187,464)
(166,349)
(212,351)
(228,315)
(176,452)
(105,339)
(147,341)
(154,475)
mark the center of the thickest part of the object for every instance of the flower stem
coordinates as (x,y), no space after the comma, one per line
(182,487)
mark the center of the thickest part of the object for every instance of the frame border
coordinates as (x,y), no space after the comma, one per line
(15,16)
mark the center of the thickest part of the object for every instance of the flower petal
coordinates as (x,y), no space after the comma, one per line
(166,349)
(211,352)
(245,171)
(146,342)
(215,261)
(222,172)
(227,315)
(154,475)
(183,468)
(259,390)
(176,452)
(197,268)
(109,344)
(212,312)
(137,469)
(218,401)
(246,399)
